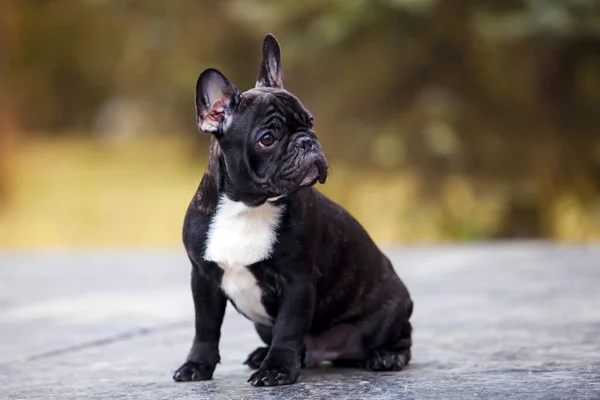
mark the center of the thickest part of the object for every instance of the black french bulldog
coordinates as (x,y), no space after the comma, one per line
(289,259)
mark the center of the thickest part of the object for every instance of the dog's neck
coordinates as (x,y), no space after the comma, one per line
(233,193)
(216,184)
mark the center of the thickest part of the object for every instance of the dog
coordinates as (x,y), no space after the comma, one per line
(259,235)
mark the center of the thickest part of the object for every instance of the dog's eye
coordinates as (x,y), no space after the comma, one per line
(266,140)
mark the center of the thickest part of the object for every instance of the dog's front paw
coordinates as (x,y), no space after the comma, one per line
(385,360)
(256,358)
(192,371)
(273,376)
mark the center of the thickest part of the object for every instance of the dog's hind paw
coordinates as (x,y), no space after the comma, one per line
(256,358)
(191,371)
(386,360)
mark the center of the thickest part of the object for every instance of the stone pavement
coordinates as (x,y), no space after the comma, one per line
(511,320)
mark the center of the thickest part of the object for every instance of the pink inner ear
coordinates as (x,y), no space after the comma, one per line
(219,106)
(216,116)
(217,112)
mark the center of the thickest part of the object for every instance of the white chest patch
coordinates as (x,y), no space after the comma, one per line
(239,236)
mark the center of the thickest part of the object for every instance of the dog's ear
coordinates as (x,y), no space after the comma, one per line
(210,187)
(270,74)
(215,99)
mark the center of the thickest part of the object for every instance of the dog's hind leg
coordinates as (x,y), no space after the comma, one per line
(256,358)
(393,355)
(386,349)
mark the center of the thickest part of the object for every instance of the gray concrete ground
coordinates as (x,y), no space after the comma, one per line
(515,320)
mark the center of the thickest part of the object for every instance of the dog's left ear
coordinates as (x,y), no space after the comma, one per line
(215,99)
(270,74)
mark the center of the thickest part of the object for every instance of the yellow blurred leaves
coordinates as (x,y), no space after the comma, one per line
(72,192)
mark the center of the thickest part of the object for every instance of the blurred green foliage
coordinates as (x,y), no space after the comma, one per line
(490,107)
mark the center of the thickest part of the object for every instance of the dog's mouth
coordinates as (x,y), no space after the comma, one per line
(317,172)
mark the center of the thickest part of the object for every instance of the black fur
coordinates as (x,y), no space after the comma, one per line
(207,196)
(325,280)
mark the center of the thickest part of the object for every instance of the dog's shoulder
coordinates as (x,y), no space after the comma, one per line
(337,227)
(311,202)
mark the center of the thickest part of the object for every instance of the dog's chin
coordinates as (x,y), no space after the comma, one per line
(316,173)
(311,178)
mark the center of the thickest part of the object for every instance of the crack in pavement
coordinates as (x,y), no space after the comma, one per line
(120,337)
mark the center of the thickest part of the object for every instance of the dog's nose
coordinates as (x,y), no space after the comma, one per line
(305,143)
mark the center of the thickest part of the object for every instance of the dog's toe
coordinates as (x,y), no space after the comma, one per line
(374,361)
(191,371)
(385,360)
(272,377)
(256,358)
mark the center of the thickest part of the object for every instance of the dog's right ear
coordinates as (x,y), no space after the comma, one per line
(216,99)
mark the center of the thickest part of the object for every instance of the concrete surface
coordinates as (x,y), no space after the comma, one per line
(506,320)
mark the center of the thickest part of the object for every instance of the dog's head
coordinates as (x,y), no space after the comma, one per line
(263,145)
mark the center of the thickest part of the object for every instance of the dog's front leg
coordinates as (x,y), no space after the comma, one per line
(209,304)
(281,366)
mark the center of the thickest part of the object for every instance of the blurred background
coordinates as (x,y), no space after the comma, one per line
(443,120)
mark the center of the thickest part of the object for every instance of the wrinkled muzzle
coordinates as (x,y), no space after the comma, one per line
(312,163)
(316,170)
